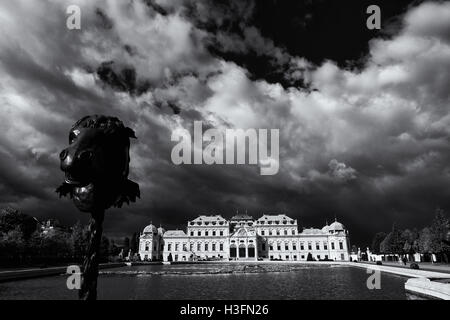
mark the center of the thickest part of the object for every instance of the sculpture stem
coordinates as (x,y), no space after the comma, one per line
(88,290)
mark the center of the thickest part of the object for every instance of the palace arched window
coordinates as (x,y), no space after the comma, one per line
(251,251)
(233,251)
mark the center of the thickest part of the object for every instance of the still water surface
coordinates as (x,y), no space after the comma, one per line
(218,281)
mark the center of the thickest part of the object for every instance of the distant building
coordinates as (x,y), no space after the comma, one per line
(271,237)
(151,243)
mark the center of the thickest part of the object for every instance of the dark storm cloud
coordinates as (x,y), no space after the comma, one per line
(368,144)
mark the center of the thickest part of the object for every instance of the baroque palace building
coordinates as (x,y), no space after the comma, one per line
(271,237)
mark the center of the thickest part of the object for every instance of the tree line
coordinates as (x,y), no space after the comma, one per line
(26,241)
(433,239)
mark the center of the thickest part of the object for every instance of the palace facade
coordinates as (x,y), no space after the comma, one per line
(271,237)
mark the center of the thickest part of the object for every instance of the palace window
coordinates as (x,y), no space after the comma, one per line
(332,246)
(287,257)
(146,246)
(169,247)
(206,247)
(191,247)
(279,248)
(341,246)
(317,246)
(176,247)
(214,233)
(294,247)
(206,233)
(192,233)
(221,247)
(262,232)
(199,247)
(213,247)
(293,232)
(302,247)
(271,247)
(309,246)
(278,232)
(286,247)
(199,233)
(221,233)
(184,247)
(285,232)
(325,246)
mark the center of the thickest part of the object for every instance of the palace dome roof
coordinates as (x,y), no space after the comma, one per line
(336,226)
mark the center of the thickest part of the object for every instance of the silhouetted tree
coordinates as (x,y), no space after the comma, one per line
(104,248)
(134,242)
(126,245)
(376,242)
(425,241)
(439,230)
(10,219)
(79,240)
(393,243)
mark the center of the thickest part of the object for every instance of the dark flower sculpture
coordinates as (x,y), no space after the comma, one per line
(96,167)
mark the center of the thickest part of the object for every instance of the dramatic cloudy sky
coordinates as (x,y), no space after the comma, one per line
(363,115)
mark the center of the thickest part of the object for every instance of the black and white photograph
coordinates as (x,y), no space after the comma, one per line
(223,156)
